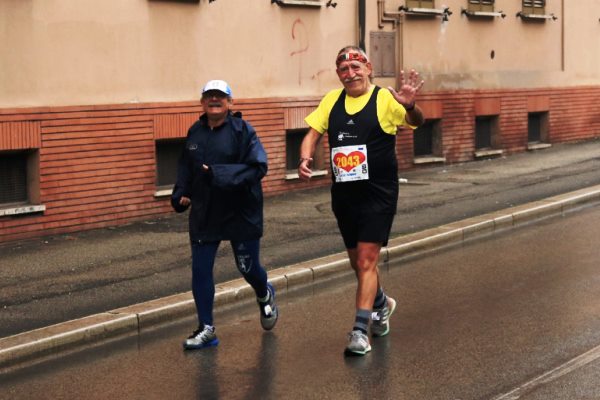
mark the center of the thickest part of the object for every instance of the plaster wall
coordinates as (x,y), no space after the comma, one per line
(488,53)
(58,52)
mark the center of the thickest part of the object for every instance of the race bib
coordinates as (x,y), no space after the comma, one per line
(349,163)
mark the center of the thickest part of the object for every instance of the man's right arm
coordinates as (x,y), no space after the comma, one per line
(307,149)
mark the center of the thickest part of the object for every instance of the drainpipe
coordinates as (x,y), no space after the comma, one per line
(385,17)
(361,23)
(562,36)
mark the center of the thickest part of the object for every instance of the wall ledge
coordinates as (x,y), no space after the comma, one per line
(25,209)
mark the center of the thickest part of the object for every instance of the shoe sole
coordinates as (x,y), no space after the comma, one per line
(388,323)
(212,343)
(355,353)
(267,325)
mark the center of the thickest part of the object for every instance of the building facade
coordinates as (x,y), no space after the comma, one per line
(96,97)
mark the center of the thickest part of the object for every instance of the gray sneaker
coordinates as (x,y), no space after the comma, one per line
(358,344)
(201,338)
(380,324)
(268,310)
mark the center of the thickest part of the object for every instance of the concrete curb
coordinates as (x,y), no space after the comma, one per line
(40,343)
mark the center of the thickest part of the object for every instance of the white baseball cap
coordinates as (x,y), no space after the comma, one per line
(217,84)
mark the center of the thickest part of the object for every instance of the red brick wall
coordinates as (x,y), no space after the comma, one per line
(97,163)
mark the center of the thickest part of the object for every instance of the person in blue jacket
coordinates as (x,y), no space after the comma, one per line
(219,175)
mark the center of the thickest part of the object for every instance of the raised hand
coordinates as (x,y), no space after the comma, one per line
(409,87)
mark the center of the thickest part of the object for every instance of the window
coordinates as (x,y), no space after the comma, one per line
(537,127)
(293,140)
(420,4)
(20,182)
(481,5)
(167,155)
(487,136)
(13,178)
(484,127)
(427,139)
(534,7)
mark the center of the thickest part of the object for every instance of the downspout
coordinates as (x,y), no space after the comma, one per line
(386,17)
(361,23)
(400,56)
(562,36)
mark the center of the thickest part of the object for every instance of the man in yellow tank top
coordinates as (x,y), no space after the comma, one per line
(361,121)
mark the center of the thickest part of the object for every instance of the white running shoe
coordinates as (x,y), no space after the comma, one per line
(268,310)
(358,344)
(201,338)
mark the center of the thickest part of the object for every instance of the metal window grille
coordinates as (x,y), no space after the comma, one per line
(13,178)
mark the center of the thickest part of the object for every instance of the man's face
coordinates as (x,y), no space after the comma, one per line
(354,75)
(215,104)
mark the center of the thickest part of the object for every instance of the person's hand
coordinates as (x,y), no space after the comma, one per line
(184,201)
(409,87)
(304,171)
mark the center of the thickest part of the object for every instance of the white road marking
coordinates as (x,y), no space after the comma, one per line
(551,375)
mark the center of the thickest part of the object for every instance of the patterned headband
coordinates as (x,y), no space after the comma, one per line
(350,57)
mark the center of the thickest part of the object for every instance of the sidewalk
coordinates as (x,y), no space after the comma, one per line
(147,263)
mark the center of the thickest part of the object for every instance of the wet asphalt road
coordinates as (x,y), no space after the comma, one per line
(508,316)
(59,278)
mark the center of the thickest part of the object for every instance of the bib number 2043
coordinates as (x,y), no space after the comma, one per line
(349,163)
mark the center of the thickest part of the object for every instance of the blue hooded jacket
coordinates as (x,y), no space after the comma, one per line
(227,200)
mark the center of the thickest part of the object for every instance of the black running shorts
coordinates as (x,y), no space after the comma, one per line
(364,227)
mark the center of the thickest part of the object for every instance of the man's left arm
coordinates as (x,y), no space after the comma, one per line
(406,96)
(414,116)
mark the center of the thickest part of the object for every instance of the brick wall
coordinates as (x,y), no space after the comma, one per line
(97,163)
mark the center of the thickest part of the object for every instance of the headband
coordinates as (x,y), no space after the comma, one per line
(350,57)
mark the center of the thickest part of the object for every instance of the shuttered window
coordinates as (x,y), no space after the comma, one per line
(13,178)
(420,4)
(481,5)
(534,6)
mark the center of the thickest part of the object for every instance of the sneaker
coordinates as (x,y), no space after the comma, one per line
(358,343)
(268,310)
(201,338)
(380,325)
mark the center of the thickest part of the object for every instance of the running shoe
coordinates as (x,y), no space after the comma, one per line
(358,344)
(268,310)
(201,338)
(380,324)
